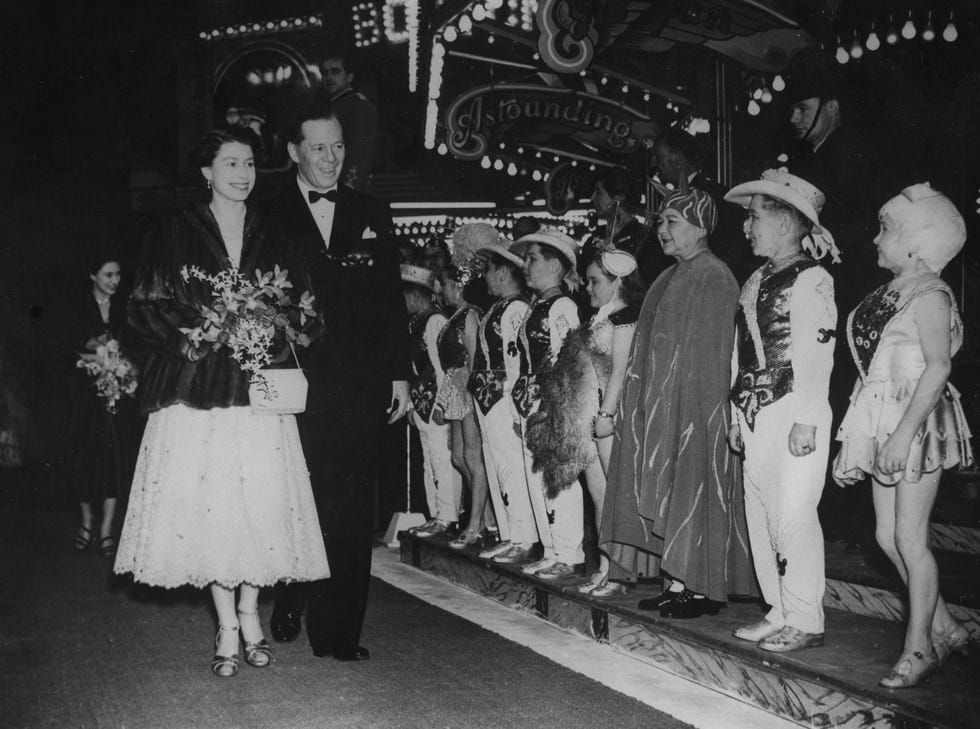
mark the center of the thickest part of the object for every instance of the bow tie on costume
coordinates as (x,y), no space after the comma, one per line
(329,195)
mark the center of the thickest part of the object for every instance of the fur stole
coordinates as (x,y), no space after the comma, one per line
(559,434)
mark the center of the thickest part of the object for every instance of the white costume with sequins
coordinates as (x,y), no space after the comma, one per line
(443,483)
(885,344)
(495,370)
(783,359)
(560,521)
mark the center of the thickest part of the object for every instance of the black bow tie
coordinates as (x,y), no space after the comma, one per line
(329,195)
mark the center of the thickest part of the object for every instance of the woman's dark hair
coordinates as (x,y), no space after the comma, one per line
(498,261)
(210,145)
(632,290)
(95,260)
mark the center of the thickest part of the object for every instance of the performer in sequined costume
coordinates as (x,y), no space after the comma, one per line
(905,424)
(550,259)
(443,484)
(571,433)
(496,367)
(784,355)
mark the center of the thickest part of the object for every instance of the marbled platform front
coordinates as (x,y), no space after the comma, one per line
(831,686)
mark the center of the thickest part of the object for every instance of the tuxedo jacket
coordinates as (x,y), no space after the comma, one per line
(358,290)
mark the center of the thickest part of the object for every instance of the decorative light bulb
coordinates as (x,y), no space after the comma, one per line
(757,94)
(450,34)
(511,169)
(465,24)
(485,162)
(753,107)
(766,96)
(442,148)
(856,50)
(908,30)
(778,83)
(928,33)
(498,164)
(891,37)
(842,55)
(950,33)
(479,13)
(873,43)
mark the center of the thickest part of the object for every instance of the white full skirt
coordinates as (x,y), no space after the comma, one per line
(221,495)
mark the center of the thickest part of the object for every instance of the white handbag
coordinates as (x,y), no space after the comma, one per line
(278,392)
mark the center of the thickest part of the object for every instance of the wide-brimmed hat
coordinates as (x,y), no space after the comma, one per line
(792,190)
(502,247)
(419,276)
(549,236)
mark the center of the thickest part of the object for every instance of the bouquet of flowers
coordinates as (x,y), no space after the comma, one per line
(114,375)
(244,314)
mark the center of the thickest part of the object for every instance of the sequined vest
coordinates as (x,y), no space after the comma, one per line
(450,344)
(423,383)
(534,349)
(487,378)
(765,376)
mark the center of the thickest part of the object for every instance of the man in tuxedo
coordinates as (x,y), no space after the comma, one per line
(356,371)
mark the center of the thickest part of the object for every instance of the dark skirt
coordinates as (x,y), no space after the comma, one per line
(100,447)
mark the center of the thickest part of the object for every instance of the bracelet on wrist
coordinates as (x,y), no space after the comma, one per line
(604,414)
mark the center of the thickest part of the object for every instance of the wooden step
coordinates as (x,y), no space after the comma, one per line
(834,685)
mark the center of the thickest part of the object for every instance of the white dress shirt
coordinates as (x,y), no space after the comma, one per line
(322,211)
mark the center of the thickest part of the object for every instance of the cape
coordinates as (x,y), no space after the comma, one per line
(674,497)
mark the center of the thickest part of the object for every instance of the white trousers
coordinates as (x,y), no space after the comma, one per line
(503,454)
(781,496)
(443,483)
(560,521)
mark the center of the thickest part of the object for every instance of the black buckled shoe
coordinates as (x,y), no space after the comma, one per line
(684,606)
(655,603)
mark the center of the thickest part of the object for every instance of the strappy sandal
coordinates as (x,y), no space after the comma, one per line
(224,666)
(608,589)
(82,542)
(598,579)
(258,655)
(467,538)
(956,641)
(912,669)
(107,546)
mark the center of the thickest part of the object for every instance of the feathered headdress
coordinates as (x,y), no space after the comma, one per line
(468,240)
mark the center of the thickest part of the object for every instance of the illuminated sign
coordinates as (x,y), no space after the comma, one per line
(389,19)
(481,114)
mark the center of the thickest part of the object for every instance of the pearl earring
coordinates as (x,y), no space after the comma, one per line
(209,187)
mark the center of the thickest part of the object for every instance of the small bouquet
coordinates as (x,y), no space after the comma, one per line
(114,375)
(244,316)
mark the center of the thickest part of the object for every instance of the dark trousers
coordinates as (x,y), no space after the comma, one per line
(342,454)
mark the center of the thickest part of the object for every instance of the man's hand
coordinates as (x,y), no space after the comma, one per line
(400,400)
(802,439)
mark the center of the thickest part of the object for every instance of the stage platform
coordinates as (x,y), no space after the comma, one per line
(831,686)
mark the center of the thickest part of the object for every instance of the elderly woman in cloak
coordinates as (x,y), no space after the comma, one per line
(674,499)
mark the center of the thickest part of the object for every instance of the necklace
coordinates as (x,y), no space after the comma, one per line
(100,301)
